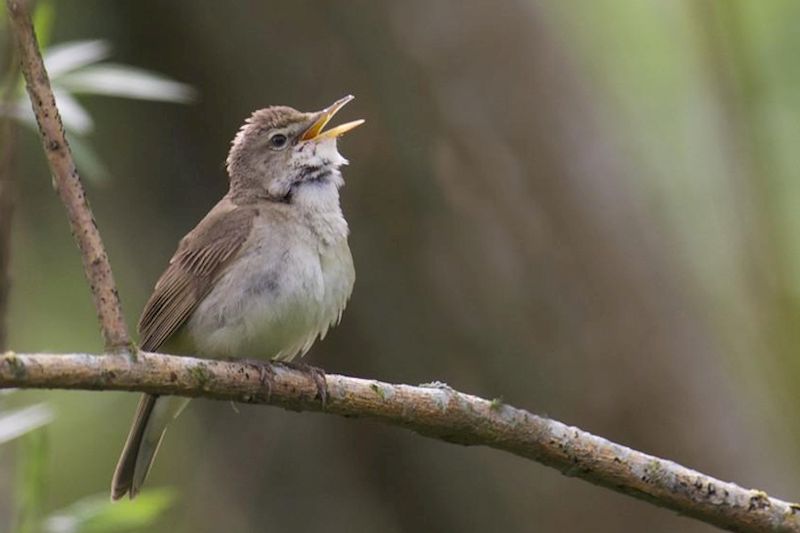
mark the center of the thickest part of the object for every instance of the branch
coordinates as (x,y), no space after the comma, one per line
(67,182)
(433,410)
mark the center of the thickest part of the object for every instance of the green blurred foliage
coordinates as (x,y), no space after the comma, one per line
(588,209)
(94,514)
(75,69)
(31,481)
(97,514)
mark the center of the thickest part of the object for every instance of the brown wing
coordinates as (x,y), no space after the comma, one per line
(200,258)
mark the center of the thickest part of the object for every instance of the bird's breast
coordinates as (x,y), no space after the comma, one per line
(283,291)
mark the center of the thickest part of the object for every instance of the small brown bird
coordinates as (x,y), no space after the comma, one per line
(264,274)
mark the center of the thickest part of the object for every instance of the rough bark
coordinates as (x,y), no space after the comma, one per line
(433,410)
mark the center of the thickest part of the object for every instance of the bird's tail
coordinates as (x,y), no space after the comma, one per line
(149,425)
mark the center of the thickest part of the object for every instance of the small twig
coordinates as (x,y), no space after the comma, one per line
(434,410)
(67,182)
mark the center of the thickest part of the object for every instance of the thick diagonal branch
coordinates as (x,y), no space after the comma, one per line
(67,182)
(433,410)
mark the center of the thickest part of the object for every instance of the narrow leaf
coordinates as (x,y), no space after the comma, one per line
(43,18)
(73,114)
(87,160)
(96,514)
(31,482)
(66,57)
(121,80)
(17,423)
(89,163)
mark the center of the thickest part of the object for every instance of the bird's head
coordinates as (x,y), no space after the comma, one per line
(279,151)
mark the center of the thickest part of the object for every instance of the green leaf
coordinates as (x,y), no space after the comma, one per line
(31,482)
(73,114)
(96,514)
(14,424)
(88,162)
(43,18)
(121,80)
(67,57)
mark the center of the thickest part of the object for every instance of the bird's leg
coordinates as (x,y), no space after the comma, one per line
(266,374)
(317,374)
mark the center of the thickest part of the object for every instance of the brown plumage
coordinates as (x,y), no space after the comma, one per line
(200,258)
(265,273)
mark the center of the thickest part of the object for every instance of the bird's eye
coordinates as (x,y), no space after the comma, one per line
(278,141)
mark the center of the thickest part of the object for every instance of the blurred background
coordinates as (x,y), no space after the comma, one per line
(588,208)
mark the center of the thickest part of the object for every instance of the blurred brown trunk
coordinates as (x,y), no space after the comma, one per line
(7,138)
(8,133)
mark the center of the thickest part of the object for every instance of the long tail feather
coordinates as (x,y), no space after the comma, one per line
(149,425)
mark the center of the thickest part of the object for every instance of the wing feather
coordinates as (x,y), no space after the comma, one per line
(199,260)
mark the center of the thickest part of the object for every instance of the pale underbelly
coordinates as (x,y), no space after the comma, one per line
(272,309)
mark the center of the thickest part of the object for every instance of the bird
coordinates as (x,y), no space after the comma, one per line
(263,275)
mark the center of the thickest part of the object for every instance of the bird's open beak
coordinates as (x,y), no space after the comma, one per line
(315,130)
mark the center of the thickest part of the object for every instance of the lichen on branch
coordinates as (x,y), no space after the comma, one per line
(434,410)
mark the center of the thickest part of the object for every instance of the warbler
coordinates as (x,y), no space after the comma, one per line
(263,275)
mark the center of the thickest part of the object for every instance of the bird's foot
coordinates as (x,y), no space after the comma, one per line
(318,375)
(266,374)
